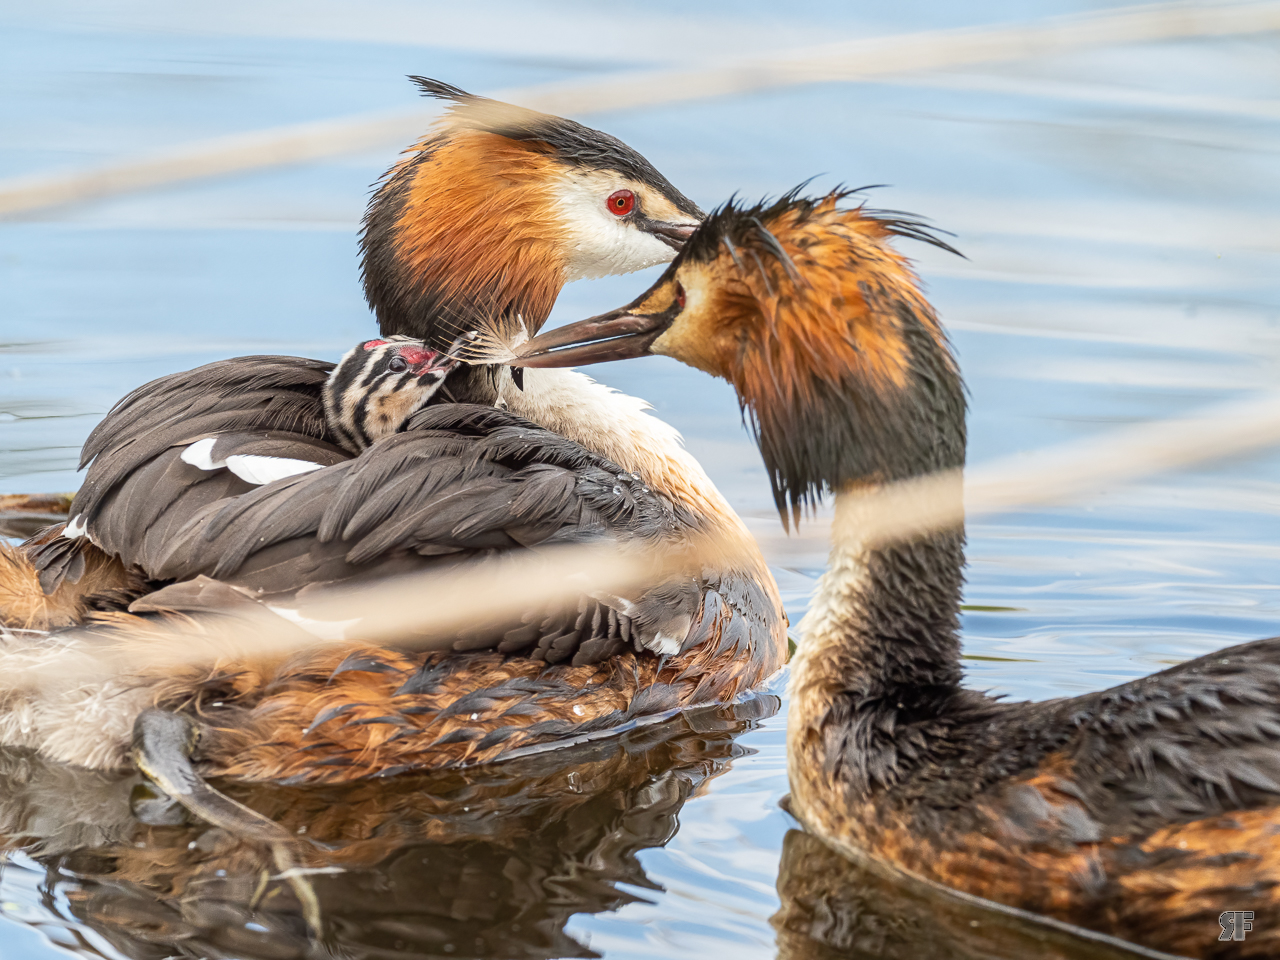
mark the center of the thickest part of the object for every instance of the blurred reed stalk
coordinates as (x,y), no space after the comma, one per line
(427,610)
(844,61)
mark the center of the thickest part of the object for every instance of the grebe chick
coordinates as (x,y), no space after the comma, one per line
(378,385)
(1143,811)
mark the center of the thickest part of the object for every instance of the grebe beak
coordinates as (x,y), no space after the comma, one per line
(618,335)
(426,362)
(672,234)
(438,369)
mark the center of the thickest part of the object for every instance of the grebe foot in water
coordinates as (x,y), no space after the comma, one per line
(162,746)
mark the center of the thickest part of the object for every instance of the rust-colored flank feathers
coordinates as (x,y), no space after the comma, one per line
(361,711)
(97,582)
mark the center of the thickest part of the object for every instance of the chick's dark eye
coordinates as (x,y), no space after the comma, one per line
(621,203)
(680,295)
(398,365)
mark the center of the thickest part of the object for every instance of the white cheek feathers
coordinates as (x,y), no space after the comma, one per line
(599,244)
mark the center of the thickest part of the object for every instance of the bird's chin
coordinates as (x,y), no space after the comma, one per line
(643,251)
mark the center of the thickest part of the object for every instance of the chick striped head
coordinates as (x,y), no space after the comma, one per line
(378,385)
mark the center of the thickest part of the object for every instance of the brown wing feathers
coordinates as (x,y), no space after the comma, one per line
(495,483)
(429,491)
(271,393)
(247,393)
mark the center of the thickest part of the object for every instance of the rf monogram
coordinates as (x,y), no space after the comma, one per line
(1235,924)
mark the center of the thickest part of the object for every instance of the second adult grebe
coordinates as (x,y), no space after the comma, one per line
(1143,811)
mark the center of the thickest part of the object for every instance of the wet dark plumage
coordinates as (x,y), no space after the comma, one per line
(1142,811)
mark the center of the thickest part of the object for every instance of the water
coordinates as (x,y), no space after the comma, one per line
(1119,208)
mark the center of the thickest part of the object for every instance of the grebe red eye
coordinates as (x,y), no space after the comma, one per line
(621,203)
(398,364)
(680,295)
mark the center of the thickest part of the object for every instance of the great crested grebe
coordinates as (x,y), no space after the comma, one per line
(486,218)
(1142,811)
(235,472)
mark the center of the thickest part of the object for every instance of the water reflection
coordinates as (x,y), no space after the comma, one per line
(832,907)
(482,863)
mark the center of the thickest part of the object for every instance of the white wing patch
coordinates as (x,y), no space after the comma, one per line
(249,467)
(663,645)
(199,455)
(258,469)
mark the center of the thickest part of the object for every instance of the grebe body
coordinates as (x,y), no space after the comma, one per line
(1142,811)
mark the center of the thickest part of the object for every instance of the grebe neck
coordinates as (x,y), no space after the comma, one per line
(885,617)
(878,660)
